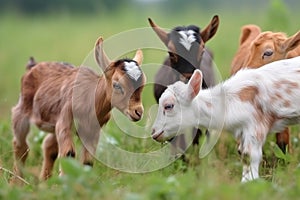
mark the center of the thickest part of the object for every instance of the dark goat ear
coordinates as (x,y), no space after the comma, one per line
(102,60)
(211,29)
(163,35)
(31,63)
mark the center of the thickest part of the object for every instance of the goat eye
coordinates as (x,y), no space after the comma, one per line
(117,86)
(173,56)
(169,106)
(267,53)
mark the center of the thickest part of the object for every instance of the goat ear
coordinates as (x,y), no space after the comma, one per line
(100,56)
(163,35)
(138,57)
(211,29)
(292,42)
(249,32)
(195,84)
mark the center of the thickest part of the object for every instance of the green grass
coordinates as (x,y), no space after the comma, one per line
(65,37)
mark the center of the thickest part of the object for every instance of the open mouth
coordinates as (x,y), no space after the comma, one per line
(157,135)
(135,119)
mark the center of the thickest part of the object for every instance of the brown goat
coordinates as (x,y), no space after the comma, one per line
(56,97)
(259,48)
(248,34)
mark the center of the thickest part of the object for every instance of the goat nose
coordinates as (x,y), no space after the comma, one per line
(153,131)
(139,112)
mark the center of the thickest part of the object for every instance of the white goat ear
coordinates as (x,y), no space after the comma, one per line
(102,60)
(138,57)
(195,84)
(292,42)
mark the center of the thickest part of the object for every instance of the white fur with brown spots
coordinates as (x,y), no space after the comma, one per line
(258,48)
(257,101)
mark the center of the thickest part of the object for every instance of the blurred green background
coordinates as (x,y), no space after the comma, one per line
(66,30)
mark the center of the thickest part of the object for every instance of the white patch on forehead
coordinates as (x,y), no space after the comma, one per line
(133,70)
(187,38)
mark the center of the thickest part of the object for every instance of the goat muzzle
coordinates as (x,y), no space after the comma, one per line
(136,114)
(157,135)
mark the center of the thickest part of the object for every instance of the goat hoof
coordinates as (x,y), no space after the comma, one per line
(240,152)
(89,163)
(71,154)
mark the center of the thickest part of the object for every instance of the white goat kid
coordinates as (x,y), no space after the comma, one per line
(256,101)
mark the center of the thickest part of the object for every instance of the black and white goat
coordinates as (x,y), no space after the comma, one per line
(186,53)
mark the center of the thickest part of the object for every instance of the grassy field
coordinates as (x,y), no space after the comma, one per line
(70,38)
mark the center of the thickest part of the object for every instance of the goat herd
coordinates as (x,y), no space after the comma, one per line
(261,96)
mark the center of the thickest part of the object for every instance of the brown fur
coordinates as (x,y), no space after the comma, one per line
(249,33)
(253,44)
(54,94)
(248,94)
(251,54)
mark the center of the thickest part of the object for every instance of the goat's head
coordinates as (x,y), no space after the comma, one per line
(186,44)
(269,46)
(175,110)
(125,79)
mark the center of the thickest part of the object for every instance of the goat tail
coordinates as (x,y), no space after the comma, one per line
(30,63)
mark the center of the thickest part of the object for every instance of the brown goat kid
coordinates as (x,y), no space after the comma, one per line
(56,97)
(258,48)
